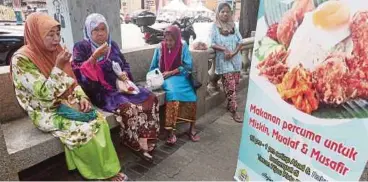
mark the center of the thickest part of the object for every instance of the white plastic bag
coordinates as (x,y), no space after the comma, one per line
(154,79)
(116,68)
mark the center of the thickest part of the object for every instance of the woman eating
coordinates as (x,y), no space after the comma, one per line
(46,88)
(226,42)
(99,65)
(174,60)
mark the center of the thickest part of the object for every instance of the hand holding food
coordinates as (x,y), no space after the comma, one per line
(100,51)
(63,58)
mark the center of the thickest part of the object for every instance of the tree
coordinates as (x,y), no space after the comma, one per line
(248,17)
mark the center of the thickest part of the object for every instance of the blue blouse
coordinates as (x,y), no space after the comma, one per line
(230,42)
(178,87)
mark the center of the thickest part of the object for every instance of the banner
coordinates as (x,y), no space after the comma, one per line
(306,116)
(60,11)
(17,5)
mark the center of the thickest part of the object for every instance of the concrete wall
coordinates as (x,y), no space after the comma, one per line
(131,6)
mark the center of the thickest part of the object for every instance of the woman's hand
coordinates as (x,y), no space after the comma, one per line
(85,105)
(166,74)
(228,54)
(100,51)
(124,76)
(63,58)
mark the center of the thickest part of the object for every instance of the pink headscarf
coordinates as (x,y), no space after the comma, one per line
(169,57)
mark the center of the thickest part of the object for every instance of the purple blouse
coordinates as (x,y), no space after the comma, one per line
(108,99)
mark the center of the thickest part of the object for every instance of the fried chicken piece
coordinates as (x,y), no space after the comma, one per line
(329,79)
(359,33)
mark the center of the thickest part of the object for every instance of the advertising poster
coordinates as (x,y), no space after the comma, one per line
(17,11)
(306,116)
(59,10)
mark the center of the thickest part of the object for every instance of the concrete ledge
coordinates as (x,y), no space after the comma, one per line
(33,146)
(9,106)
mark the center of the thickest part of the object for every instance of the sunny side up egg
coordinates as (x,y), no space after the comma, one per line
(320,31)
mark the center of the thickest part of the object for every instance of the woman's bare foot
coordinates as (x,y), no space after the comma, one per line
(151,147)
(145,149)
(119,177)
(171,140)
(237,118)
(193,136)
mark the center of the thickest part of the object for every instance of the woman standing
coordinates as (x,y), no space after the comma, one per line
(174,60)
(98,64)
(226,42)
(46,88)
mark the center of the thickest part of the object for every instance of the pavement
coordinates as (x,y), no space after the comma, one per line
(214,158)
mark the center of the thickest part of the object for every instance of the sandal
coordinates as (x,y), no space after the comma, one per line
(171,140)
(194,137)
(119,177)
(146,156)
(237,118)
(151,148)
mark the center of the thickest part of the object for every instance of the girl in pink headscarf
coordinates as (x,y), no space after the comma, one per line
(174,60)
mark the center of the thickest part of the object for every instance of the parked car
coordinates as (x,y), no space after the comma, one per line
(10,41)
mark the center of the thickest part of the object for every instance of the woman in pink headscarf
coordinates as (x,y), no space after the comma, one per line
(174,60)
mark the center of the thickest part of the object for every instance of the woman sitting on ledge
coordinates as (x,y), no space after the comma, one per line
(98,65)
(46,88)
(174,60)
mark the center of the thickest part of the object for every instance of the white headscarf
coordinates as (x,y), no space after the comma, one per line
(225,26)
(92,21)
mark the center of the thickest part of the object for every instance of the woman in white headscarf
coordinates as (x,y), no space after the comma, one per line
(98,65)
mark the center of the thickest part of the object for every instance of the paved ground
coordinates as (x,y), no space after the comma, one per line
(214,158)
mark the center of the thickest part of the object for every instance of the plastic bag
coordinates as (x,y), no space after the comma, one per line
(154,79)
(127,87)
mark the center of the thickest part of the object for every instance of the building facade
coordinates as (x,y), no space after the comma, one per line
(129,6)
